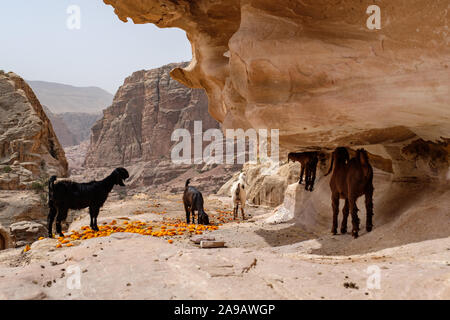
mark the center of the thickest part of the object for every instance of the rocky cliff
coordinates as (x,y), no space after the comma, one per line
(29,148)
(136,129)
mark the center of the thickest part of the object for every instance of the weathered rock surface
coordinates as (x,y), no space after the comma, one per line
(29,147)
(18,206)
(5,238)
(266,183)
(136,130)
(312,68)
(26,232)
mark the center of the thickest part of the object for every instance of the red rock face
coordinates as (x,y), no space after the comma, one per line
(135,132)
(138,125)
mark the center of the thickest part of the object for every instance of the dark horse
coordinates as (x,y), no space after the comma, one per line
(350,180)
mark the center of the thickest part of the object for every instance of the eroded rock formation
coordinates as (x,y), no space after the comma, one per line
(312,68)
(29,148)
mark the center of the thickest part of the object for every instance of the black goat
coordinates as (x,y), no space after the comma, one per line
(193,200)
(308,161)
(65,195)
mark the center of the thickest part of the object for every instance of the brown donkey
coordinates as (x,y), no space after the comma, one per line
(350,180)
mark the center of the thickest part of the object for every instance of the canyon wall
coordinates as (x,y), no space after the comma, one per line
(135,131)
(145,111)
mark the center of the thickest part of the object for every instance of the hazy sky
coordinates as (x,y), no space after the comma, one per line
(36,43)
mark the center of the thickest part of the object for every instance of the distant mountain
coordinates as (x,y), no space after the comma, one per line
(60,98)
(80,124)
(65,136)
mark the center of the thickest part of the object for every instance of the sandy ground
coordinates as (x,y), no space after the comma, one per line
(260,261)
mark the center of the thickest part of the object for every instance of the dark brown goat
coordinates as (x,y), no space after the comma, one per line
(308,161)
(350,180)
(193,201)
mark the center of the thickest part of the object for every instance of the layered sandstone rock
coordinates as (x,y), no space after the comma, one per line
(29,148)
(312,68)
(135,131)
(27,232)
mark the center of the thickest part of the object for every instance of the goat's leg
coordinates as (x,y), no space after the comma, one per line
(307,178)
(335,206)
(369,209)
(93,212)
(313,179)
(355,220)
(193,216)
(242,212)
(188,220)
(62,215)
(345,213)
(50,218)
(302,171)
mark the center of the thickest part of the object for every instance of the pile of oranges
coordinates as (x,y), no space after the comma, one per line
(224,216)
(166,229)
